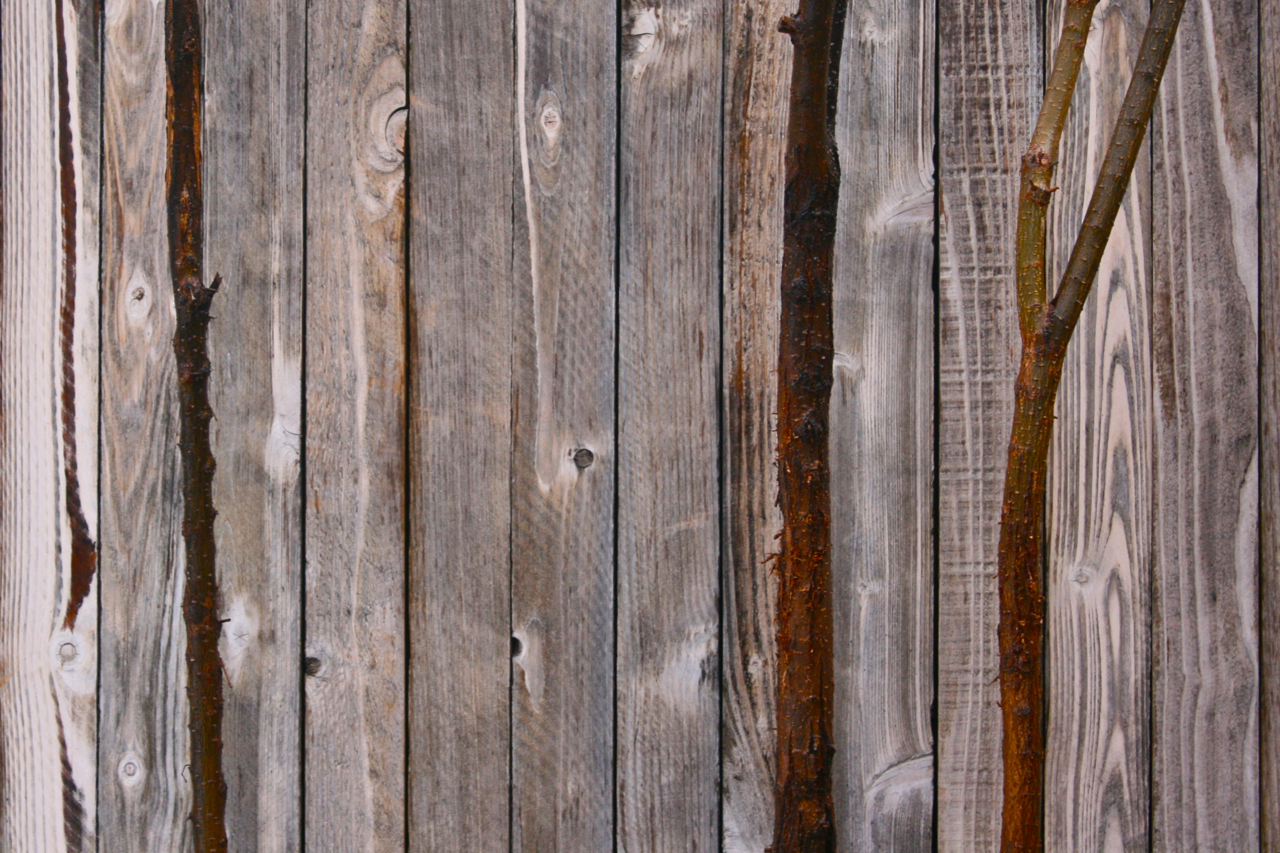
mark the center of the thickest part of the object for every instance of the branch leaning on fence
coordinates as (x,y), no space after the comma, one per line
(1046,330)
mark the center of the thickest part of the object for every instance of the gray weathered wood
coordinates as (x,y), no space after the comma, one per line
(1205,241)
(563,472)
(989,79)
(460,337)
(144,796)
(882,430)
(757,73)
(668,711)
(49,166)
(254,77)
(355,426)
(1099,504)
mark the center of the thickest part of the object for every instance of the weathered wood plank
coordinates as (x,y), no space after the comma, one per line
(563,419)
(1099,513)
(49,182)
(757,72)
(356,642)
(144,796)
(668,712)
(882,430)
(254,77)
(990,80)
(1204,332)
(460,338)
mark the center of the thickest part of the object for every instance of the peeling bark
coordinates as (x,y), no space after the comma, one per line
(805,814)
(192,302)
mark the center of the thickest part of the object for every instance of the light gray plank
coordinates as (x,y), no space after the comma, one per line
(356,642)
(1099,508)
(563,418)
(460,335)
(1205,690)
(990,82)
(669,352)
(882,430)
(144,796)
(757,72)
(254,78)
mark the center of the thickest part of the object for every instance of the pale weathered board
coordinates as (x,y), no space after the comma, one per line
(989,86)
(1099,507)
(461,110)
(757,75)
(144,791)
(1205,355)
(882,430)
(668,546)
(254,92)
(562,410)
(355,427)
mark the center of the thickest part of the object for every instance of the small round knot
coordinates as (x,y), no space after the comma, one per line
(68,652)
(312,666)
(583,458)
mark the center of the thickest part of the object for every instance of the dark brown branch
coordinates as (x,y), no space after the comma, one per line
(805,820)
(192,301)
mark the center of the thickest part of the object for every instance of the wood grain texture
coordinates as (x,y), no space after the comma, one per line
(355,425)
(1205,242)
(460,337)
(757,69)
(49,119)
(254,77)
(882,433)
(144,796)
(668,709)
(989,82)
(563,465)
(1099,508)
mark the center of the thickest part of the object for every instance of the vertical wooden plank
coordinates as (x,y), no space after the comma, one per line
(990,81)
(1097,794)
(1205,250)
(882,430)
(563,466)
(254,75)
(144,797)
(49,184)
(757,71)
(355,366)
(460,335)
(669,351)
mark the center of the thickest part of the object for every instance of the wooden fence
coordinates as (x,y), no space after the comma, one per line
(493,382)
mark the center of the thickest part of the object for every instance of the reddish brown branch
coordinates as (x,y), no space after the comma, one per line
(192,301)
(805,820)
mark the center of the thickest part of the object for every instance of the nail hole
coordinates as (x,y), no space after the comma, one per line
(312,666)
(583,458)
(516,647)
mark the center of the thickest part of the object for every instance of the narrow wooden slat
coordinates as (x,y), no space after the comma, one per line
(563,466)
(49,183)
(144,795)
(989,78)
(757,72)
(1205,242)
(669,351)
(1097,795)
(254,77)
(355,386)
(461,106)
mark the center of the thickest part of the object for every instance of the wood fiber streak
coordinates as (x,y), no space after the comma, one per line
(989,78)
(143,786)
(563,464)
(356,642)
(668,709)
(1098,513)
(882,431)
(755,117)
(1205,239)
(460,353)
(254,79)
